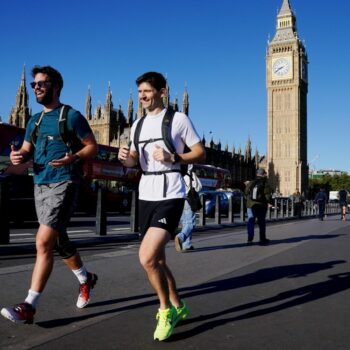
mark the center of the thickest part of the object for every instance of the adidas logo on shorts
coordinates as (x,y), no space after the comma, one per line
(163,221)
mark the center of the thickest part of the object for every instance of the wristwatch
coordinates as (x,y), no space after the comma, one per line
(176,158)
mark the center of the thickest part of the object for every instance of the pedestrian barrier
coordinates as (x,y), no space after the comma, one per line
(281,210)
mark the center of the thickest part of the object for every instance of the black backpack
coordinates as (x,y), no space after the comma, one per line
(166,137)
(70,139)
(257,191)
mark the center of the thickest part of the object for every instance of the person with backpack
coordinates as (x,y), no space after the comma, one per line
(258,195)
(183,240)
(57,172)
(320,201)
(343,203)
(298,203)
(161,189)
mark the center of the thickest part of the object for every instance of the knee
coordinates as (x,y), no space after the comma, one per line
(148,263)
(66,249)
(44,247)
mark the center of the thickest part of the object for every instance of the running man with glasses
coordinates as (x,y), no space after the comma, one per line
(56,181)
(161,193)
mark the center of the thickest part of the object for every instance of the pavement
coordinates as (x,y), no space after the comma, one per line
(291,294)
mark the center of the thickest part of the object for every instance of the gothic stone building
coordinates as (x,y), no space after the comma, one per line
(111,127)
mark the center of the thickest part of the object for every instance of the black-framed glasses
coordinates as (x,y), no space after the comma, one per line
(40,83)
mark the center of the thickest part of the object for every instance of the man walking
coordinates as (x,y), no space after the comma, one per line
(258,195)
(57,171)
(161,192)
(343,203)
(183,240)
(321,200)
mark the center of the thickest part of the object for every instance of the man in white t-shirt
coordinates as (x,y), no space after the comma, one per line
(161,193)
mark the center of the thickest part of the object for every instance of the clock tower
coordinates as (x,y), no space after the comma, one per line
(287,86)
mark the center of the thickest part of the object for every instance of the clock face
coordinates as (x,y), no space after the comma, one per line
(281,67)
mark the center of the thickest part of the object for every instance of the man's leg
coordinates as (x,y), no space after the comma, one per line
(250,224)
(173,294)
(45,242)
(152,249)
(183,241)
(261,217)
(152,258)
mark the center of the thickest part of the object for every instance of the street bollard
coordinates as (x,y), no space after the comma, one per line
(202,211)
(242,210)
(4,214)
(217,210)
(281,210)
(275,210)
(268,213)
(134,216)
(101,213)
(292,208)
(231,216)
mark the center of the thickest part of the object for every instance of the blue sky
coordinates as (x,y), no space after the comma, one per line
(217,48)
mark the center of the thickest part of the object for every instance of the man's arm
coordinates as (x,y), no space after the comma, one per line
(196,155)
(22,155)
(88,151)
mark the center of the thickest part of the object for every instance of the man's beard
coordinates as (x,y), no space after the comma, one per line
(47,98)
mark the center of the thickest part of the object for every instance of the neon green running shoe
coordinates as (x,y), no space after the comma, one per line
(166,322)
(182,312)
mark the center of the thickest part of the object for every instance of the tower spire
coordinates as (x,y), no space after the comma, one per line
(130,110)
(20,112)
(286,23)
(88,114)
(185,102)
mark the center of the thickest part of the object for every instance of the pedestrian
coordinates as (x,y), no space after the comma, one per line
(320,201)
(161,192)
(298,203)
(57,171)
(343,202)
(258,195)
(183,240)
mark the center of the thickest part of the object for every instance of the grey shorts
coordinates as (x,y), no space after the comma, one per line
(55,203)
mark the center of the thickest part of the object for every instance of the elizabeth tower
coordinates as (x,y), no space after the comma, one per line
(287,86)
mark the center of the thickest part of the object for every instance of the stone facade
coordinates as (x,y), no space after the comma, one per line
(287,87)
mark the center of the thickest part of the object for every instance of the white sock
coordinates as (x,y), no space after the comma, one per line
(32,298)
(81,274)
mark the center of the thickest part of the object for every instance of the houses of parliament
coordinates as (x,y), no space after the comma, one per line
(287,85)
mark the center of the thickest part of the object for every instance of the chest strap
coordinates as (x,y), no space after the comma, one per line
(162,172)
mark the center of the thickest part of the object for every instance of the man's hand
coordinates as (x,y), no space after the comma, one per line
(16,157)
(123,154)
(67,159)
(161,155)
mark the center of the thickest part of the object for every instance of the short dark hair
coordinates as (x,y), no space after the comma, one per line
(155,79)
(53,74)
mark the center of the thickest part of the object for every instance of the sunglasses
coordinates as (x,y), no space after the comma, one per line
(40,83)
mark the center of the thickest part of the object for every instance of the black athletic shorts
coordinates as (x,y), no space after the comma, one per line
(163,214)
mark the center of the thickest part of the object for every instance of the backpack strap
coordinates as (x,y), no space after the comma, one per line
(166,130)
(35,131)
(63,128)
(137,133)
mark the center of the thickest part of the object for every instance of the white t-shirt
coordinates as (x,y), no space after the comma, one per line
(182,132)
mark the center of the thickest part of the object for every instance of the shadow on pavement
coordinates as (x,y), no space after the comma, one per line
(335,284)
(272,242)
(261,276)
